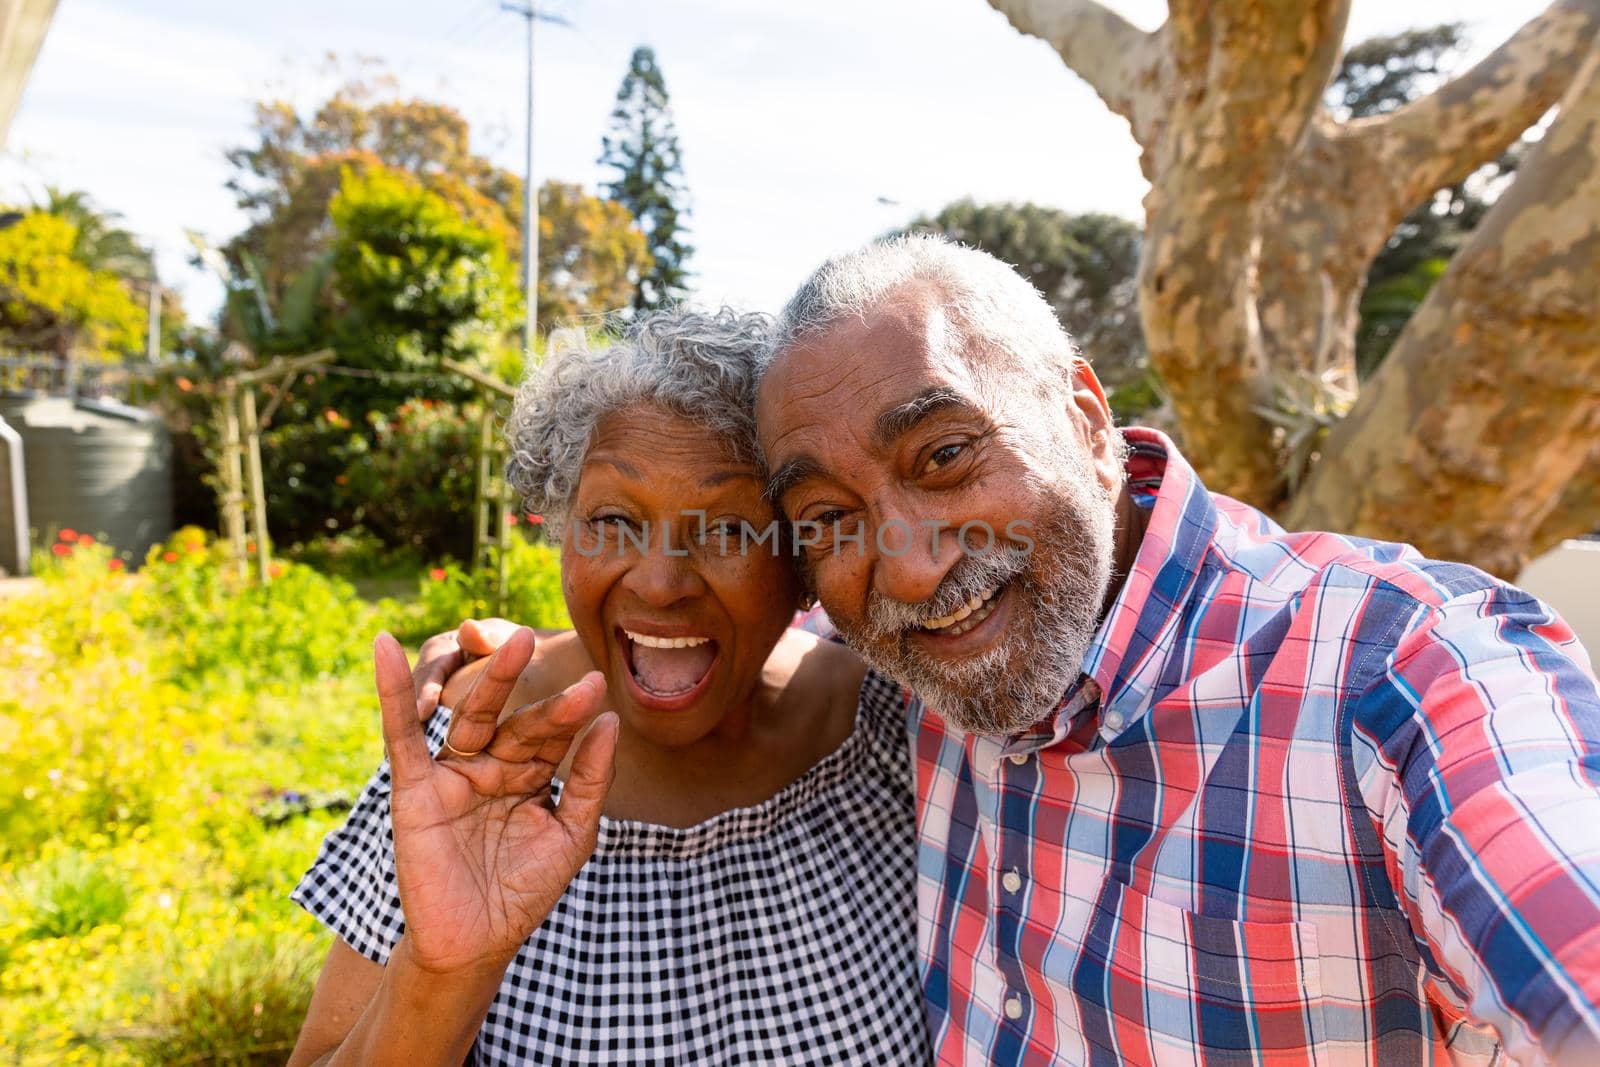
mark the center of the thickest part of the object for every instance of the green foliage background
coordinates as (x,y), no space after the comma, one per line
(177,744)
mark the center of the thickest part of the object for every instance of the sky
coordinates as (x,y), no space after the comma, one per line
(806,129)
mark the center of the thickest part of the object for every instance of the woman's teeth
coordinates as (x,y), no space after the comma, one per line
(977,608)
(649,641)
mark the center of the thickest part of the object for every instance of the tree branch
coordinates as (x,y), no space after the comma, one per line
(1577,512)
(1478,425)
(1099,45)
(1444,136)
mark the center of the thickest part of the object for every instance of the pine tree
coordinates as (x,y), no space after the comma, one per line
(643,147)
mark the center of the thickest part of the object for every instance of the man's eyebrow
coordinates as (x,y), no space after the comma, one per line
(791,474)
(903,418)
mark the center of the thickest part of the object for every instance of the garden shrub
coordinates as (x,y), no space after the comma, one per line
(448,594)
(177,743)
(416,485)
(71,893)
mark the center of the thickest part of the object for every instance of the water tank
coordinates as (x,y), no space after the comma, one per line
(96,466)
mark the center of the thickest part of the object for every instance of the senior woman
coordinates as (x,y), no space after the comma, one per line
(749,895)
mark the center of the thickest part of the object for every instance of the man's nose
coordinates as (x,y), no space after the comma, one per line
(912,556)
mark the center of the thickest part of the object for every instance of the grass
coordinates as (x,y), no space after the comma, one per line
(177,743)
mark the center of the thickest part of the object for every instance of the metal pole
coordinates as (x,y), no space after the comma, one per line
(530,198)
(530,214)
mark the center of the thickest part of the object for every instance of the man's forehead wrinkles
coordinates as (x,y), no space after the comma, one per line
(814,382)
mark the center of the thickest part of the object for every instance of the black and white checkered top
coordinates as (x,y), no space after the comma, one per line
(783,933)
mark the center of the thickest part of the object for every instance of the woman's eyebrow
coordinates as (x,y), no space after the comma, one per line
(711,481)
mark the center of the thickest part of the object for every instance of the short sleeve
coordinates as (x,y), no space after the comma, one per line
(884,714)
(351,887)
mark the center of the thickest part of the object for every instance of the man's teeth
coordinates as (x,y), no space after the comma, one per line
(968,615)
(650,641)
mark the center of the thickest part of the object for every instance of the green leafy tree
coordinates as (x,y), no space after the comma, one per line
(591,252)
(286,180)
(100,244)
(414,281)
(642,147)
(52,301)
(1086,266)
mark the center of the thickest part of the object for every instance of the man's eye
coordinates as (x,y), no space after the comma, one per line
(941,456)
(831,518)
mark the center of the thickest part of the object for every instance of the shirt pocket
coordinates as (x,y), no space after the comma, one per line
(1155,982)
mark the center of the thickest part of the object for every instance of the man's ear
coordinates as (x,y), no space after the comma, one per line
(1087,402)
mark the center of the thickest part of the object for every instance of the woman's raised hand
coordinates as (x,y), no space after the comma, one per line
(481,852)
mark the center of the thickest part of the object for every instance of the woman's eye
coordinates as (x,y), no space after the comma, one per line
(830,519)
(941,456)
(722,534)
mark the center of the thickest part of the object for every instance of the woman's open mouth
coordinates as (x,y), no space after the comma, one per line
(667,672)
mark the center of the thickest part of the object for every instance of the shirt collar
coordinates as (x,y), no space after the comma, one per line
(1137,637)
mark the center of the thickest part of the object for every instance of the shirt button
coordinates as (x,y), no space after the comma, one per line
(1114,720)
(1013,1007)
(1019,758)
(1012,881)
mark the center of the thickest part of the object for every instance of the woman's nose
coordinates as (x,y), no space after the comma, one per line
(663,574)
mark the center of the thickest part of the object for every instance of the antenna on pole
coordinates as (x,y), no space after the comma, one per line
(530,192)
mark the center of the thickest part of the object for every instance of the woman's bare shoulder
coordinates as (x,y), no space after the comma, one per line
(820,672)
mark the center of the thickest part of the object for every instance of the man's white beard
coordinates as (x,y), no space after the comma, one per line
(1056,594)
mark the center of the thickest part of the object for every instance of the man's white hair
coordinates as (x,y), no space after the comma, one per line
(1007,327)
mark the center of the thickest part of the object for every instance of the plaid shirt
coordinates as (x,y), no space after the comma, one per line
(1315,800)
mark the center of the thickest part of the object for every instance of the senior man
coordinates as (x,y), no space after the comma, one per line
(1191,789)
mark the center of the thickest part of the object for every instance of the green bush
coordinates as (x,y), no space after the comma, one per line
(177,742)
(447,594)
(355,553)
(70,894)
(415,487)
(305,463)
(243,1009)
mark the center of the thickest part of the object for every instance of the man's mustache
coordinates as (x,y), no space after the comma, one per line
(972,575)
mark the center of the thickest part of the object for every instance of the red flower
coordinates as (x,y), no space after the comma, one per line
(69,534)
(185,384)
(438,574)
(511,520)
(249,546)
(275,570)
(115,564)
(85,539)
(169,557)
(537,520)
(60,550)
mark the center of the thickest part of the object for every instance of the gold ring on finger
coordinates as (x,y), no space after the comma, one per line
(456,752)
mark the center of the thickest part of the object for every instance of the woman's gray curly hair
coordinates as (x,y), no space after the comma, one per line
(695,364)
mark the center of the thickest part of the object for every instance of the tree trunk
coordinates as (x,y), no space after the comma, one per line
(1578,511)
(1489,404)
(1265,214)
